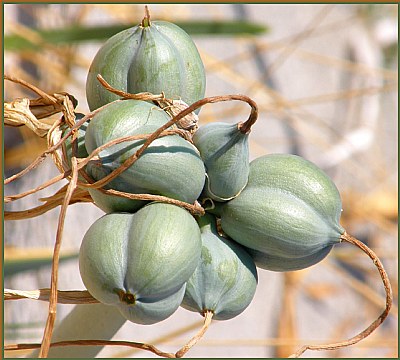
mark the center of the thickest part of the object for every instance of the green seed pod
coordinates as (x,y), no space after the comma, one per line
(279,263)
(151,57)
(289,211)
(140,262)
(225,152)
(170,166)
(225,281)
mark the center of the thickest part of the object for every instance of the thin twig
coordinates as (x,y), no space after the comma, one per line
(389,299)
(131,344)
(131,160)
(148,347)
(44,349)
(63,297)
(144,96)
(53,148)
(193,341)
(49,98)
(194,209)
(79,195)
(46,184)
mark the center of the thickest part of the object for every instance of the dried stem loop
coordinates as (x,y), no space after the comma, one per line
(389,299)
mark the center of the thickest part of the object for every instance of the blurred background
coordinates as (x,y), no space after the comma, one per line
(325,80)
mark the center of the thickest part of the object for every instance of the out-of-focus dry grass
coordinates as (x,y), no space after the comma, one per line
(367,177)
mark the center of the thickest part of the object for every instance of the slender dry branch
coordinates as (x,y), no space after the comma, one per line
(79,195)
(131,344)
(44,349)
(63,297)
(194,209)
(131,160)
(53,148)
(389,299)
(193,341)
(148,347)
(44,95)
(144,96)
(46,184)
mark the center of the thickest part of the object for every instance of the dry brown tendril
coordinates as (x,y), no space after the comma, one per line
(374,325)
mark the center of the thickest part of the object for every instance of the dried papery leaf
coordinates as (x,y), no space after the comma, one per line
(54,147)
(174,107)
(43,107)
(65,103)
(63,297)
(18,113)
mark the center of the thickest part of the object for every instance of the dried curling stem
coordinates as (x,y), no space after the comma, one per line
(144,96)
(389,299)
(193,341)
(148,347)
(63,297)
(48,332)
(214,99)
(53,148)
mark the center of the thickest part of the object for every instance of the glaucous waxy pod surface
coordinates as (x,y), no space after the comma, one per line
(290,209)
(225,152)
(141,262)
(171,166)
(155,57)
(225,280)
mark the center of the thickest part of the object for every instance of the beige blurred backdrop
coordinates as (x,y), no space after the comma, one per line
(325,80)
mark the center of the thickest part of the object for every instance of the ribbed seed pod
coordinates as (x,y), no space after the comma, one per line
(154,57)
(170,166)
(289,211)
(140,262)
(225,280)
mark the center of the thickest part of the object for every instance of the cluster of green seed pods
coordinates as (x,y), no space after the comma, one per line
(280,212)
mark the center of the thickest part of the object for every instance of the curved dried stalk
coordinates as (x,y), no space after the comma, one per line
(46,184)
(53,148)
(193,341)
(144,96)
(79,195)
(63,297)
(148,347)
(131,344)
(389,299)
(45,346)
(214,99)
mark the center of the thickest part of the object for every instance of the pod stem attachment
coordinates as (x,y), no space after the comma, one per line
(374,325)
(146,20)
(193,341)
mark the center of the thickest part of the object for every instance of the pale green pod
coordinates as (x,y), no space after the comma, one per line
(225,152)
(289,210)
(170,166)
(277,263)
(160,57)
(140,262)
(225,280)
